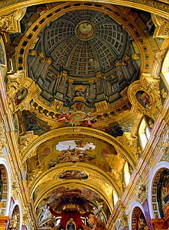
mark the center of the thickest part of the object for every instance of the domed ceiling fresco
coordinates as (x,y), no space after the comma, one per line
(76,126)
(82,58)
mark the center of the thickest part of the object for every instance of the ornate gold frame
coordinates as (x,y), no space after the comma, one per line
(70,221)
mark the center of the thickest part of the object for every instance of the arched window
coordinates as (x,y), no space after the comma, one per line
(138,220)
(126,173)
(158,197)
(144,133)
(14,223)
(160,192)
(115,197)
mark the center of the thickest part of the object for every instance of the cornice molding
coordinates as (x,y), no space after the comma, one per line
(152,6)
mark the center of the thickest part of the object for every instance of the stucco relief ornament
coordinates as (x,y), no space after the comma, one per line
(26,139)
(162,26)
(144,96)
(26,216)
(2,137)
(163,143)
(35,174)
(124,220)
(15,189)
(165,157)
(140,193)
(130,142)
(19,90)
(11,22)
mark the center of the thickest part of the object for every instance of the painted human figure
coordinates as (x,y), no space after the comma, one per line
(64,117)
(14,223)
(20,95)
(94,223)
(142,224)
(143,98)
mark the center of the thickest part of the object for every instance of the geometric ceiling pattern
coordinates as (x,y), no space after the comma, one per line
(75,64)
(92,50)
(84,42)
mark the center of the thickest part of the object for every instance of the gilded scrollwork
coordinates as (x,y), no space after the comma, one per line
(11,23)
(124,220)
(141,193)
(165,157)
(18,88)
(162,26)
(2,137)
(26,214)
(144,96)
(26,139)
(130,142)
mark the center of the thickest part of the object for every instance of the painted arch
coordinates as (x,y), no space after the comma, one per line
(154,7)
(5,187)
(158,190)
(137,219)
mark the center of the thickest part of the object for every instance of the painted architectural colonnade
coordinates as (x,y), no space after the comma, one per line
(138,209)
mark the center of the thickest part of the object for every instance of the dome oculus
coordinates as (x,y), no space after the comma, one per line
(85,30)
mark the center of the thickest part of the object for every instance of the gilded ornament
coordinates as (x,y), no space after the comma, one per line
(11,23)
(141,193)
(142,97)
(162,26)
(130,142)
(26,139)
(164,94)
(165,157)
(2,136)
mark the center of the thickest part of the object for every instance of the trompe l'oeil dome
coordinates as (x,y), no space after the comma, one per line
(83,56)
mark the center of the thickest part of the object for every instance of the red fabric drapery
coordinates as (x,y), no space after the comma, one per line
(65,217)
